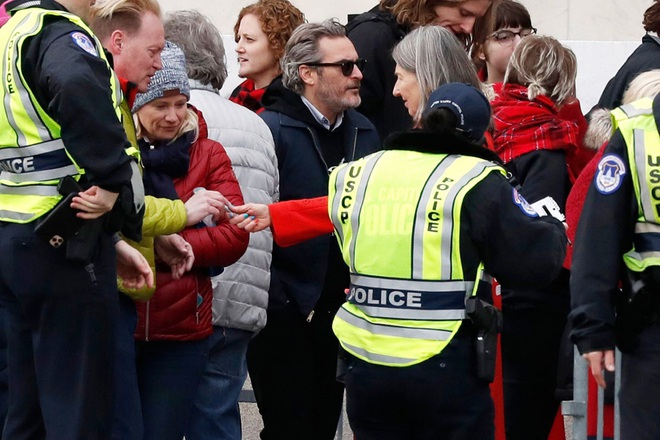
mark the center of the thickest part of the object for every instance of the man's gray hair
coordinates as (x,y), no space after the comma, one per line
(436,57)
(303,47)
(201,43)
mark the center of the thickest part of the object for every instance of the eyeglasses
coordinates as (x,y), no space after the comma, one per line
(346,66)
(506,37)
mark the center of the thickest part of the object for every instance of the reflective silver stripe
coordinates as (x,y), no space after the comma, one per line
(9,153)
(420,222)
(138,186)
(632,111)
(380,358)
(640,162)
(639,256)
(414,315)
(377,358)
(21,216)
(412,285)
(447,226)
(391,330)
(359,201)
(39,176)
(644,228)
(30,190)
(24,94)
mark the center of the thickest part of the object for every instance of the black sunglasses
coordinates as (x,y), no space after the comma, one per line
(346,66)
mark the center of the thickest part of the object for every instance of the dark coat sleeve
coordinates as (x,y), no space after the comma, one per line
(604,234)
(73,86)
(517,248)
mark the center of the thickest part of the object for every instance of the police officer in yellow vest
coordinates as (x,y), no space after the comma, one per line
(60,118)
(421,225)
(617,245)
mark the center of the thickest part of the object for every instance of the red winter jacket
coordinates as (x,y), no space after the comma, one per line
(181,309)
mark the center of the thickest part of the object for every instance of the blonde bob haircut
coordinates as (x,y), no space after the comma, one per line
(190,123)
(126,15)
(545,67)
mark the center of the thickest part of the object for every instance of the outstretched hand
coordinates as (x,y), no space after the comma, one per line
(253,217)
(176,252)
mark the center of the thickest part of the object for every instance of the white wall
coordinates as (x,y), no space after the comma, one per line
(601,32)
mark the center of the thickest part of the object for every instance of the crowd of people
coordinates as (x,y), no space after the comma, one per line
(336,226)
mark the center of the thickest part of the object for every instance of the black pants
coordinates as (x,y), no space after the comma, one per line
(440,398)
(60,333)
(292,365)
(640,388)
(531,338)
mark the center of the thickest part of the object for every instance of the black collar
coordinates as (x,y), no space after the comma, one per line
(425,141)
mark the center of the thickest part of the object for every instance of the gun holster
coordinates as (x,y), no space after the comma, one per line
(487,321)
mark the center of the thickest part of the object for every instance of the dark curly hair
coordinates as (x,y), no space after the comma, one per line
(652,18)
(278,18)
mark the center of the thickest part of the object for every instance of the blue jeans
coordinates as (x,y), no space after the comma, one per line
(168,376)
(215,414)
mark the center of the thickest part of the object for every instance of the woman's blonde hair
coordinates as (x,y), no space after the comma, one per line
(545,67)
(644,85)
(190,123)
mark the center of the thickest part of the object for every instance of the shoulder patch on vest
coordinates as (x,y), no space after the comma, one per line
(609,176)
(523,204)
(84,42)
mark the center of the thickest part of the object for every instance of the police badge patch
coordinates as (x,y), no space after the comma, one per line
(523,204)
(84,43)
(610,174)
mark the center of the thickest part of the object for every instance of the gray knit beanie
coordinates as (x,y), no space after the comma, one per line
(172,76)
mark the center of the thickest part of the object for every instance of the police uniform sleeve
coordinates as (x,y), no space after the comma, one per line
(73,85)
(603,235)
(517,247)
(543,173)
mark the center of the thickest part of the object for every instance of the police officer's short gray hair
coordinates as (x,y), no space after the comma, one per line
(202,44)
(303,47)
(436,57)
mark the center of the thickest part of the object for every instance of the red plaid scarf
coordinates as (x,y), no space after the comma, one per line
(247,96)
(523,126)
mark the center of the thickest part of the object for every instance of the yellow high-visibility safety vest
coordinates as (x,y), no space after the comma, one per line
(28,135)
(397,219)
(637,125)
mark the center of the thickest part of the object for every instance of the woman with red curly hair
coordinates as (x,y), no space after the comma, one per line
(261,32)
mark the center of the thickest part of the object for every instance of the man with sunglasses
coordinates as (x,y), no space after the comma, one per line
(310,112)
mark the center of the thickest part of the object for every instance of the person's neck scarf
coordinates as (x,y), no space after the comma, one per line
(246,95)
(163,162)
(522,126)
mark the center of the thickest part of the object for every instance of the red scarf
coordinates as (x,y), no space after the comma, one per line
(246,95)
(129,90)
(523,126)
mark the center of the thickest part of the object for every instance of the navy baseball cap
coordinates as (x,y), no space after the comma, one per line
(469,105)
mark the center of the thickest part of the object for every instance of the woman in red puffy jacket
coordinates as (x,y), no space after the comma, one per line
(174,325)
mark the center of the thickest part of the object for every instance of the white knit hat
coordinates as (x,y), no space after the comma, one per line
(172,76)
